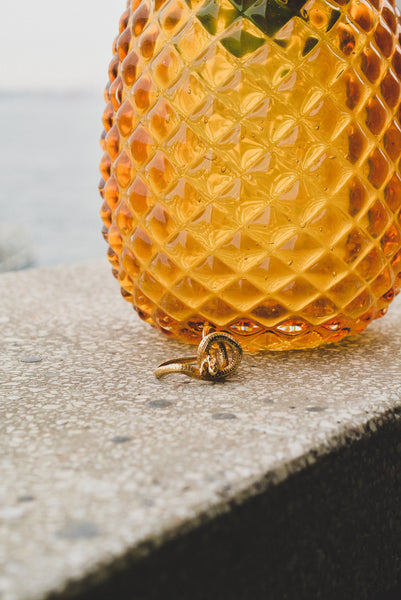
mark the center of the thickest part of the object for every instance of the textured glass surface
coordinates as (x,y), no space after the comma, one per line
(251,167)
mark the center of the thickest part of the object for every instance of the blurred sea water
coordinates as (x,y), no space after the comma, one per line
(49,155)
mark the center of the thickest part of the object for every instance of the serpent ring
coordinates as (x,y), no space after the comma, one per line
(217,358)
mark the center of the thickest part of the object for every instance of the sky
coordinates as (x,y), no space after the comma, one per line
(47,45)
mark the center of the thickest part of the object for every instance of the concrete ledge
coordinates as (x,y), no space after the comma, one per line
(282,483)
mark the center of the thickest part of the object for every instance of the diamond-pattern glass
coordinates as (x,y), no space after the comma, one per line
(250,176)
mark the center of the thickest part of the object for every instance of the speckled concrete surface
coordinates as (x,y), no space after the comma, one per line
(97,456)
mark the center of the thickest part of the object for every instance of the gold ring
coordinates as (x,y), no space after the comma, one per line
(217,358)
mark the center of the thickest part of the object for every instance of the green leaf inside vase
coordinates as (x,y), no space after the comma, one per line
(269,16)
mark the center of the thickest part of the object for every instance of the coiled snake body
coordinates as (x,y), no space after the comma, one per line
(218,357)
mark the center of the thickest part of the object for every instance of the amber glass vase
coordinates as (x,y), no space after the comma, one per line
(251,167)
